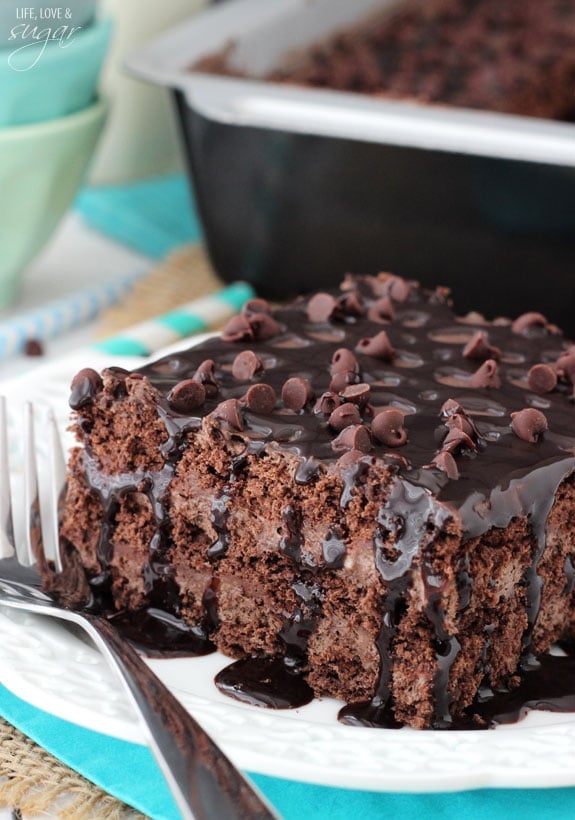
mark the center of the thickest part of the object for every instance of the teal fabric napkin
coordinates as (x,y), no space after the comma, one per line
(153,216)
(129,772)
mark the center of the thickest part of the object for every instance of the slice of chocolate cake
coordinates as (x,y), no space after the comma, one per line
(362,485)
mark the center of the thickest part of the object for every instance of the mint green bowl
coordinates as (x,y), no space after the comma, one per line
(63,80)
(41,169)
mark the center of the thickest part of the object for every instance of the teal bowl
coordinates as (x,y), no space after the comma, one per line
(41,169)
(44,81)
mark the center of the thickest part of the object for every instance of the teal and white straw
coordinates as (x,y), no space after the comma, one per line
(196,316)
(62,315)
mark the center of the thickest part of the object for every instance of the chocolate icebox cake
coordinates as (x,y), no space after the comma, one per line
(358,495)
(515,56)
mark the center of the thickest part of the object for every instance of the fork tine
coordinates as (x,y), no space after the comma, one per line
(7,543)
(57,467)
(32,538)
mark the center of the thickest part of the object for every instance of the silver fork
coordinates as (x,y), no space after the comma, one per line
(201,779)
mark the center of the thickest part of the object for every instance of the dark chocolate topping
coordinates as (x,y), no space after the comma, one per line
(428,370)
(451,421)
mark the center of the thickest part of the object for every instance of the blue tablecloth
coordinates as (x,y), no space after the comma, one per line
(154,217)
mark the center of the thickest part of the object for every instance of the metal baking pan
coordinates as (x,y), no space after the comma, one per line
(296,186)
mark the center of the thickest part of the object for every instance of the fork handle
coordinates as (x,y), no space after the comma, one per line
(203,781)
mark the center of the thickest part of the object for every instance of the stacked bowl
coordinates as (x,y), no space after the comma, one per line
(50,121)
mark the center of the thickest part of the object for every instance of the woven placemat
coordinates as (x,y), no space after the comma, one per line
(31,779)
(185,275)
(34,782)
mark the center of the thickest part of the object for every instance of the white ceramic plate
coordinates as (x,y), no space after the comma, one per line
(54,670)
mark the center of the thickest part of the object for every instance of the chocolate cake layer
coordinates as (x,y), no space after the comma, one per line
(516,56)
(361,483)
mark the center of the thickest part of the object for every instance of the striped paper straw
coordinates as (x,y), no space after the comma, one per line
(62,315)
(196,316)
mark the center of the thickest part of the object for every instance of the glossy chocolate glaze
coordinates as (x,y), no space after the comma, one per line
(500,475)
(266,682)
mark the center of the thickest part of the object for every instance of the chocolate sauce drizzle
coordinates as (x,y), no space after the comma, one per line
(499,478)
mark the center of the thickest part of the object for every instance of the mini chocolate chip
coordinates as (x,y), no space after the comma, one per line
(527,321)
(529,424)
(457,438)
(33,347)
(229,411)
(296,393)
(261,399)
(478,347)
(343,416)
(257,305)
(398,288)
(264,326)
(357,394)
(326,403)
(460,421)
(321,307)
(451,407)
(456,417)
(388,428)
(342,380)
(397,458)
(114,379)
(246,365)
(349,459)
(377,346)
(440,296)
(238,329)
(206,375)
(343,361)
(486,375)
(116,371)
(565,366)
(381,311)
(389,284)
(355,437)
(352,304)
(445,462)
(187,395)
(85,386)
(542,378)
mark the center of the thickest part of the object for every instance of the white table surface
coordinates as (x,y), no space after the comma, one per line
(75,258)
